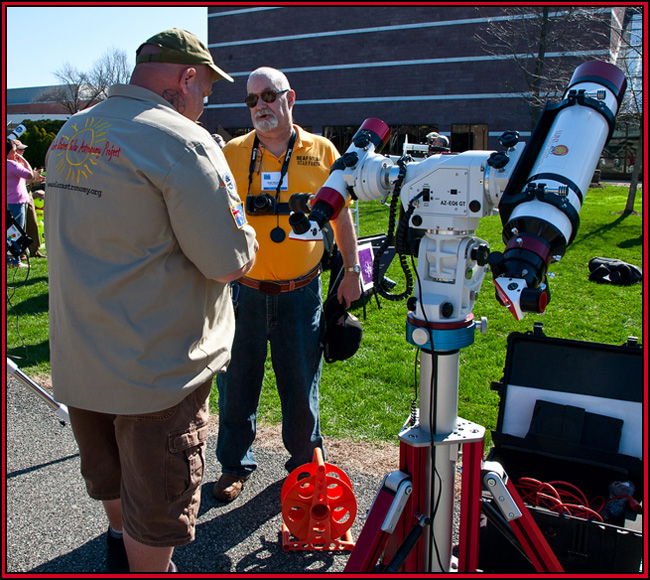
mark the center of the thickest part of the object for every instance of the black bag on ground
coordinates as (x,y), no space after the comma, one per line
(611,271)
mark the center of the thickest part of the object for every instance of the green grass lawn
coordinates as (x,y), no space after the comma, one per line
(368,397)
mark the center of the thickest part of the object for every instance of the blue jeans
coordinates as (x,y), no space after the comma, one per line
(292,323)
(17,211)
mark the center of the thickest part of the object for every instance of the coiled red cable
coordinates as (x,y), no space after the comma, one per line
(561,497)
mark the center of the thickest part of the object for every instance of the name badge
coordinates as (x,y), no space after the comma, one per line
(270,180)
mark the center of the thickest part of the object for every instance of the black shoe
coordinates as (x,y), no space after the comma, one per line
(116,561)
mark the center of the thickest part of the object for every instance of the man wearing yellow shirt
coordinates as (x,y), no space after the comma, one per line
(279,301)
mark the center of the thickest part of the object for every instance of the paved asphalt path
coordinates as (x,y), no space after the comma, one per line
(52,527)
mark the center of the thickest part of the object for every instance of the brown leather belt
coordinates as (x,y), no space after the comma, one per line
(275,287)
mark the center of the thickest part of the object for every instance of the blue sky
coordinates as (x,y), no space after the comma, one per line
(41,40)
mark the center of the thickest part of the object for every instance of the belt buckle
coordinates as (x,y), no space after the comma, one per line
(270,287)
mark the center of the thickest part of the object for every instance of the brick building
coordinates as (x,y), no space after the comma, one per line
(27,103)
(417,67)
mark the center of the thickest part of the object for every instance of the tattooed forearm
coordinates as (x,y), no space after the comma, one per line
(175,98)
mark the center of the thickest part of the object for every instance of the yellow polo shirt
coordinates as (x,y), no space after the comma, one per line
(308,169)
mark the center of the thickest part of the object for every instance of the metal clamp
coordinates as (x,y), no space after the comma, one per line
(493,480)
(399,483)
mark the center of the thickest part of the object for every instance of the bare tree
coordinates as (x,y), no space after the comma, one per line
(112,68)
(80,89)
(628,47)
(534,37)
(74,92)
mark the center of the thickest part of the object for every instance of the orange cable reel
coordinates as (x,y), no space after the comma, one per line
(318,507)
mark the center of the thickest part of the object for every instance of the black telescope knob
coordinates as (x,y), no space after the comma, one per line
(480,254)
(498,160)
(361,139)
(349,159)
(495,260)
(447,310)
(509,139)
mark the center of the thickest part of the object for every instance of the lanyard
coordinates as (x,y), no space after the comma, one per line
(285,165)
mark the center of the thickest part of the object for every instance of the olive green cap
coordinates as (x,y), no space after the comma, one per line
(181,47)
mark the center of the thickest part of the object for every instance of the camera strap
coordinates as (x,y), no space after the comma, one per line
(278,235)
(251,167)
(285,165)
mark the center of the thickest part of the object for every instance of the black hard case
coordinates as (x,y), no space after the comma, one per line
(567,410)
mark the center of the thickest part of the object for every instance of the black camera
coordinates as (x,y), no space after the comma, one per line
(260,204)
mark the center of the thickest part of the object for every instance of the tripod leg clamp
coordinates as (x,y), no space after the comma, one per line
(494,476)
(399,483)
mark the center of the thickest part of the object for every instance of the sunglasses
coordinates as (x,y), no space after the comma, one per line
(268,96)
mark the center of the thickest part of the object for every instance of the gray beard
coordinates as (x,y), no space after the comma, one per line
(265,124)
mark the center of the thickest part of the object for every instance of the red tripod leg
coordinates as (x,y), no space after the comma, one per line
(470,507)
(413,460)
(372,540)
(531,538)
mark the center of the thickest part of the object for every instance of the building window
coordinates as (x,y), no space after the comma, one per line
(465,137)
(233,132)
(340,135)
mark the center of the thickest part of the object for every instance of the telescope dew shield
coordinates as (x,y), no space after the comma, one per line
(540,207)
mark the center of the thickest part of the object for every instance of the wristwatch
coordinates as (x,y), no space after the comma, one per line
(356,269)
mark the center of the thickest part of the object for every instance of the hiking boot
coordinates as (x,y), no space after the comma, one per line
(228,487)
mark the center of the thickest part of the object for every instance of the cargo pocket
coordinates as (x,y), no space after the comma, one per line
(185,462)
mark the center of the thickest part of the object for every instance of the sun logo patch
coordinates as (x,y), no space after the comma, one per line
(78,153)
